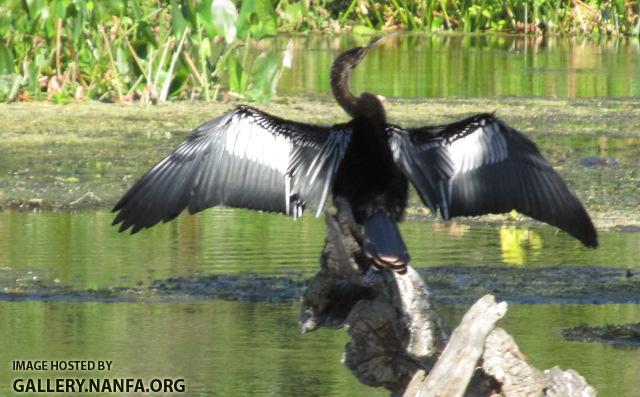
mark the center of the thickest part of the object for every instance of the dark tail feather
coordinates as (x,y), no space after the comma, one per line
(383,243)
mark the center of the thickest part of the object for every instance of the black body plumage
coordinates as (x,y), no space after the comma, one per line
(250,159)
(368,177)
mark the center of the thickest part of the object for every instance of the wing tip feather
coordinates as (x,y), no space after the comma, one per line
(590,238)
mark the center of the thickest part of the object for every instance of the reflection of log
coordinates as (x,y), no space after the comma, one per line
(398,338)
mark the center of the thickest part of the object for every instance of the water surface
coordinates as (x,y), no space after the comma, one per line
(223,348)
(232,348)
(473,66)
(83,251)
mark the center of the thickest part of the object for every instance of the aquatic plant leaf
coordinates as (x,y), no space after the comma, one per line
(257,18)
(178,21)
(77,22)
(15,87)
(5,25)
(62,98)
(363,30)
(294,12)
(225,19)
(122,61)
(203,17)
(9,86)
(237,75)
(6,60)
(58,10)
(264,77)
(437,23)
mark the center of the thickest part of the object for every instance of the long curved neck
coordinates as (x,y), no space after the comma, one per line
(340,75)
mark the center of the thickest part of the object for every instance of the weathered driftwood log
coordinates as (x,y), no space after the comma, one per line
(399,340)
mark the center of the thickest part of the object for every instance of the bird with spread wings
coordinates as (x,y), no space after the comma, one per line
(251,159)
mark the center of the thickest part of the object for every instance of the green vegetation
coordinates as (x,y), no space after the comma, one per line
(153,50)
(623,334)
(128,50)
(519,16)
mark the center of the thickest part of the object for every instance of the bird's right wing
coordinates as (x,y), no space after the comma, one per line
(245,158)
(480,165)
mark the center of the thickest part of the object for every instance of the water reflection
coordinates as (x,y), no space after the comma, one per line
(518,245)
(473,66)
(232,348)
(83,251)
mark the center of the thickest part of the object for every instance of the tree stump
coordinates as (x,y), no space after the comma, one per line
(398,339)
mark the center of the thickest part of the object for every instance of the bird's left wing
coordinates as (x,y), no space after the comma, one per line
(480,165)
(245,158)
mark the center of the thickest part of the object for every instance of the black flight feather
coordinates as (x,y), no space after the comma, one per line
(480,165)
(245,158)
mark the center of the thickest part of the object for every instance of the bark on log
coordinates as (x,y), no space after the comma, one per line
(503,361)
(457,363)
(398,339)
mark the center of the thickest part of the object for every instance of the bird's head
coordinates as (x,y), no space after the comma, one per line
(341,71)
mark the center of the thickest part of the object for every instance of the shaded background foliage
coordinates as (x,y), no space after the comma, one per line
(156,50)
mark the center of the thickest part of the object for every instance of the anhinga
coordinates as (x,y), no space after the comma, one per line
(250,159)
